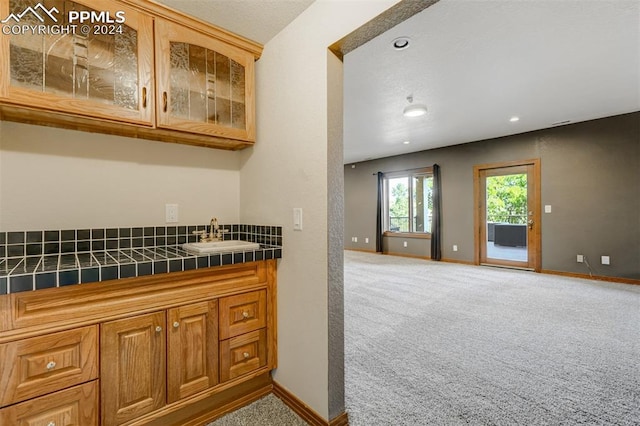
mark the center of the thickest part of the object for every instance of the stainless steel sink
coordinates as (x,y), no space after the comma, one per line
(220,246)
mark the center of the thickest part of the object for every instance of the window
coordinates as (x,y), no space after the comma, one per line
(408,201)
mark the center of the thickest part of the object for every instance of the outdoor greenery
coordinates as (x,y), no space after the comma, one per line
(507,199)
(399,204)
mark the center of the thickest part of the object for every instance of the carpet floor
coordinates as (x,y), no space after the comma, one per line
(431,343)
(267,411)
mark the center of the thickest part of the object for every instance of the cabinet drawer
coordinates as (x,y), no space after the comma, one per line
(242,313)
(75,406)
(243,354)
(45,364)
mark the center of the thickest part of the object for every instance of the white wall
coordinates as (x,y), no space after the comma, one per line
(60,179)
(287,168)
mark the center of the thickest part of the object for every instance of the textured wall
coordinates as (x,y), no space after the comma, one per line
(590,177)
(335,220)
(57,179)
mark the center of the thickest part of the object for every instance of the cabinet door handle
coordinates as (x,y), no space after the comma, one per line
(144,97)
(176,324)
(51,365)
(164,101)
(158,329)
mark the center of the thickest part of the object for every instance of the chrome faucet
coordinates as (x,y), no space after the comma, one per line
(214,230)
(214,234)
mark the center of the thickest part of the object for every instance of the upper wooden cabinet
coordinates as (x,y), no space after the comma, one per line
(132,68)
(52,61)
(204,86)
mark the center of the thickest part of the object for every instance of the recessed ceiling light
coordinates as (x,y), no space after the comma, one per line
(514,119)
(401,43)
(406,142)
(415,110)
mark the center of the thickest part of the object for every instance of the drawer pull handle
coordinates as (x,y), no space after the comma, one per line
(245,314)
(158,329)
(51,365)
(246,355)
(176,324)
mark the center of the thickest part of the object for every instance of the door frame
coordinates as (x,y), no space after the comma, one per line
(534,246)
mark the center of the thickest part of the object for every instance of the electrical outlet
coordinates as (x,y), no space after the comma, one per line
(171,213)
(455,247)
(355,239)
(366,240)
(404,243)
(580,258)
(605,260)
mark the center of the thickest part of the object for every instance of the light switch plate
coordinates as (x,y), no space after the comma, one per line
(297,219)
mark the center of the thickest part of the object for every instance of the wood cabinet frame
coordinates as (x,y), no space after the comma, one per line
(74,114)
(163,298)
(145,115)
(172,32)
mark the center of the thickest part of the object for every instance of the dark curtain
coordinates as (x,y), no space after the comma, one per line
(379,213)
(436,222)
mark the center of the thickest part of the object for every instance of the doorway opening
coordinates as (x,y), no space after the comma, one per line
(507,219)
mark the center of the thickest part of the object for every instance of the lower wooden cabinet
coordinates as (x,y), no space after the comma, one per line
(243,354)
(40,365)
(193,349)
(76,406)
(132,367)
(157,351)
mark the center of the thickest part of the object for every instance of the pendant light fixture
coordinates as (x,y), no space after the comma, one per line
(414,110)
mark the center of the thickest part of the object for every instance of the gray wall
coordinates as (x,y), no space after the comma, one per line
(590,177)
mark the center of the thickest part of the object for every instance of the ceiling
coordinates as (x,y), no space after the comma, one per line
(473,63)
(477,63)
(257,20)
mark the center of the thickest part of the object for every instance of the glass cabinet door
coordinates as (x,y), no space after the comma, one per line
(204,86)
(88,57)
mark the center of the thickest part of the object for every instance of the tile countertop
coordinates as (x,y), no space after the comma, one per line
(39,272)
(35,260)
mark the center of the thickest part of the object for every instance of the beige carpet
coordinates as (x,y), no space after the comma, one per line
(267,411)
(432,343)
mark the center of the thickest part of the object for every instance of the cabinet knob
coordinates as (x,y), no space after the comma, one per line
(245,314)
(246,355)
(51,365)
(176,324)
(158,329)
(51,424)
